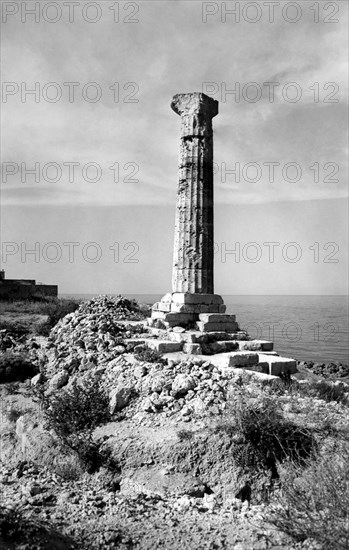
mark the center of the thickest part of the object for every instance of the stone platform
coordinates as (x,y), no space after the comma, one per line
(223,349)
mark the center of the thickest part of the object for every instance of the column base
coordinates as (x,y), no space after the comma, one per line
(203,312)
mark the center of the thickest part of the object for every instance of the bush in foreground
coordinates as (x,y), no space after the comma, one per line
(314,502)
(19,531)
(73,414)
(322,389)
(55,310)
(264,437)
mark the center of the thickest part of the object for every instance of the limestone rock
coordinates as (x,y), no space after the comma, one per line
(36,379)
(58,380)
(182,384)
(119,398)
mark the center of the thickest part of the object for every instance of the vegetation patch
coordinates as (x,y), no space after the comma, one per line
(73,414)
(313,502)
(15,367)
(150,356)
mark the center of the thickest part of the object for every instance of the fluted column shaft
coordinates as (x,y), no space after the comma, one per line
(194,241)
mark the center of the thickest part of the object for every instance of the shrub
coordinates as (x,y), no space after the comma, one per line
(55,310)
(319,389)
(15,367)
(263,436)
(73,414)
(15,328)
(326,391)
(150,356)
(19,531)
(314,502)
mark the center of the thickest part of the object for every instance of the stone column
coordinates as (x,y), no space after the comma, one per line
(194,242)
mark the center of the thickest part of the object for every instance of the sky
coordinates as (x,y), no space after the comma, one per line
(89,161)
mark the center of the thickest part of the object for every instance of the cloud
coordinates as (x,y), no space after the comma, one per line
(169,51)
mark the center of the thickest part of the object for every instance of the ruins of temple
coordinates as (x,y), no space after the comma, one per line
(192,318)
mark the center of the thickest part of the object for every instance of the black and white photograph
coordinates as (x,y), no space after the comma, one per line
(174,332)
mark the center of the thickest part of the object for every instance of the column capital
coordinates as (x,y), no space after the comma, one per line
(194,103)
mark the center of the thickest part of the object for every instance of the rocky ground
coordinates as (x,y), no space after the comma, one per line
(189,474)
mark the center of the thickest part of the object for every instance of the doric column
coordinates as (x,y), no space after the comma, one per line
(194,242)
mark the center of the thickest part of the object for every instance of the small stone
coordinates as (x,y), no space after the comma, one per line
(119,398)
(36,379)
(182,384)
(58,380)
(178,329)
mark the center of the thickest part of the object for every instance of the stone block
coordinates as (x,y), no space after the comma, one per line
(243,359)
(179,317)
(134,341)
(164,346)
(260,367)
(279,365)
(192,349)
(256,345)
(217,327)
(183,308)
(189,337)
(208,327)
(223,346)
(187,298)
(231,327)
(167,298)
(158,315)
(216,318)
(162,306)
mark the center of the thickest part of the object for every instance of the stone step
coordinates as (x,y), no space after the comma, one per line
(256,345)
(278,365)
(135,341)
(164,346)
(216,318)
(217,326)
(233,359)
(223,346)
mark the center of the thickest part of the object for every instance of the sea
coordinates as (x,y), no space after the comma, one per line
(307,328)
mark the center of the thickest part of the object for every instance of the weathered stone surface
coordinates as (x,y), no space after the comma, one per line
(217,326)
(242,358)
(119,398)
(256,345)
(182,384)
(36,379)
(178,329)
(164,346)
(223,346)
(193,349)
(216,318)
(279,365)
(194,245)
(186,298)
(58,380)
